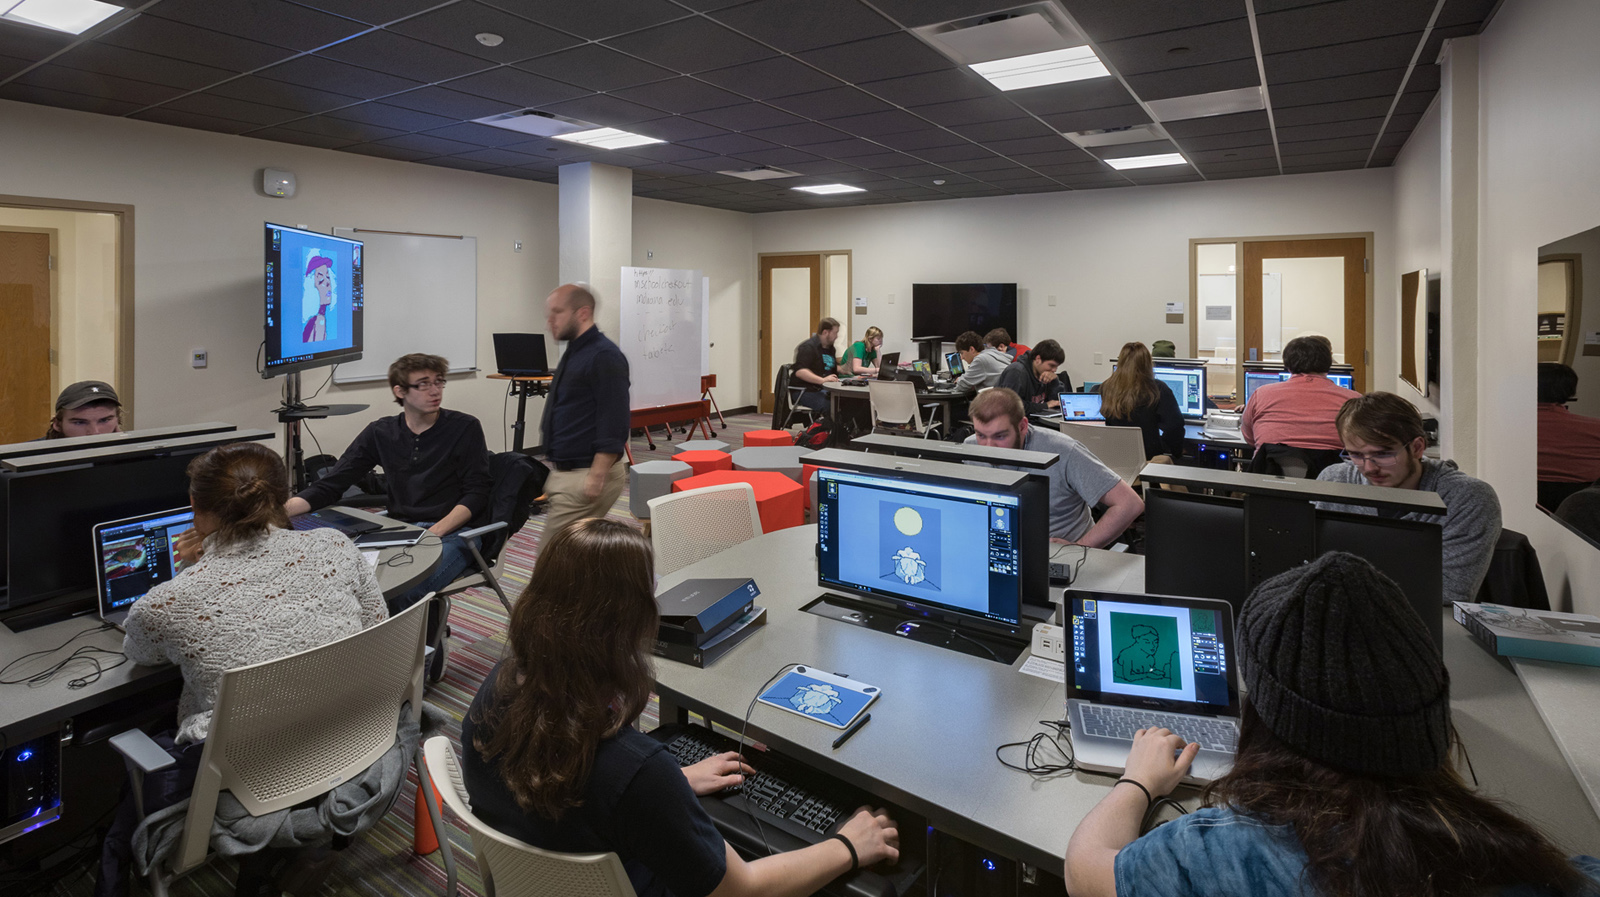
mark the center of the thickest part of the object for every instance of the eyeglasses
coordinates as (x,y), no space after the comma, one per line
(426,385)
(1379,458)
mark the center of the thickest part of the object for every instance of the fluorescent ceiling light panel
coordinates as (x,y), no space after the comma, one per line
(1038,69)
(71,16)
(830,189)
(1116,136)
(539,124)
(607,138)
(1155,161)
(1202,105)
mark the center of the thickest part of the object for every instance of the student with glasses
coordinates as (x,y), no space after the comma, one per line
(1383,446)
(435,462)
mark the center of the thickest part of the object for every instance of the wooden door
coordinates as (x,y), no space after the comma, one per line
(789,284)
(1348,263)
(25,399)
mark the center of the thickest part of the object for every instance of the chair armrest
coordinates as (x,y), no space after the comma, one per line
(141,750)
(477,531)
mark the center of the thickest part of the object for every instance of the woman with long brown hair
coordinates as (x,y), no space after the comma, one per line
(550,755)
(1133,397)
(1342,784)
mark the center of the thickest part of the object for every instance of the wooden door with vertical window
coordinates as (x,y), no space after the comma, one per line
(25,399)
(791,306)
(1296,286)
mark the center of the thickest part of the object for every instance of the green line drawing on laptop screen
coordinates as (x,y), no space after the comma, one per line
(1146,651)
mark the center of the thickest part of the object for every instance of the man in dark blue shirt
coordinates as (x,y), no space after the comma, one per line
(585,424)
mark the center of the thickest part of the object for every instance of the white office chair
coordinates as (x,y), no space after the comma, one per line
(511,868)
(688,526)
(895,409)
(1119,448)
(291,729)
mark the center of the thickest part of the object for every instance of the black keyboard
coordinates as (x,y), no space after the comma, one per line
(1210,733)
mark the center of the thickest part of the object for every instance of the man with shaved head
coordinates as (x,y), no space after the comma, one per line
(585,424)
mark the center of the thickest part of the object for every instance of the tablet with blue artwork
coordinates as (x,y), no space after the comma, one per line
(822,696)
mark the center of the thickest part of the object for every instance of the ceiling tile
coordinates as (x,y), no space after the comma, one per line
(386,152)
(460,163)
(834,103)
(1423,77)
(691,45)
(1021,183)
(1104,21)
(165,116)
(952,155)
(770,78)
(800,135)
(1351,20)
(1227,141)
(372,12)
(828,166)
(1372,107)
(747,117)
(1354,128)
(730,144)
(391,117)
(89,84)
(276,93)
(781,157)
(500,156)
(916,13)
(874,124)
(104,59)
(229,108)
(1218,124)
(32,44)
(1466,12)
(327,74)
(1005,130)
(1073,96)
(1066,169)
(1196,46)
(271,21)
(715,163)
(968,112)
(883,160)
(338,127)
(681,96)
(595,19)
(10,65)
(1030,145)
(946,85)
(1255,153)
(449,103)
(433,146)
(596,67)
(455,27)
(1352,58)
(1415,101)
(1093,181)
(843,149)
(479,135)
(1096,119)
(606,111)
(1268,164)
(526,174)
(1382,83)
(28,93)
(1199,79)
(794,26)
(1319,166)
(1355,156)
(165,37)
(1070,156)
(876,58)
(385,51)
(517,87)
(917,141)
(301,138)
(1251,173)
(676,128)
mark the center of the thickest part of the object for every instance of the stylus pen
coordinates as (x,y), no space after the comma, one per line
(851,731)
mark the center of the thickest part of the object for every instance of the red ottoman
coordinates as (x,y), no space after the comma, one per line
(705,462)
(779,500)
(768,437)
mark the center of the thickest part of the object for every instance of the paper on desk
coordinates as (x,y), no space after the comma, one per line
(1045,668)
(372,558)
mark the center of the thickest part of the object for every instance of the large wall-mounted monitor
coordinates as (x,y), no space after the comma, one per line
(950,309)
(314,300)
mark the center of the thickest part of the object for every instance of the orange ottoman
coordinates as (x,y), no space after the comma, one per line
(705,462)
(779,500)
(768,437)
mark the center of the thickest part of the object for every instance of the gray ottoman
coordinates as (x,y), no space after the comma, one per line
(784,459)
(652,479)
(700,445)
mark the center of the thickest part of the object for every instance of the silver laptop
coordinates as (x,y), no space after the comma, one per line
(134,555)
(1081,406)
(1138,661)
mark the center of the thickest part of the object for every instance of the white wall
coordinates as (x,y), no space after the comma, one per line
(1417,233)
(1113,258)
(1541,182)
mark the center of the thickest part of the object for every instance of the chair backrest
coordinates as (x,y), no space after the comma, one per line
(292,729)
(1514,578)
(688,526)
(516,481)
(780,396)
(1119,448)
(511,868)
(894,402)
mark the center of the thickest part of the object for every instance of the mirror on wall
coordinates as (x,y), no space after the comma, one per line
(1419,332)
(1568,334)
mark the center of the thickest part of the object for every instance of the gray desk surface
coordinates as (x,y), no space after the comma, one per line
(1566,696)
(930,746)
(24,707)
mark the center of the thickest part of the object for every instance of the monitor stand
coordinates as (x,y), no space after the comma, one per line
(928,350)
(290,414)
(999,646)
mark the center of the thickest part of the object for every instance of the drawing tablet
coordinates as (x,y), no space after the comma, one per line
(821,696)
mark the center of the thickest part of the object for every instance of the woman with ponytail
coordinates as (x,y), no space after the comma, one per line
(252,590)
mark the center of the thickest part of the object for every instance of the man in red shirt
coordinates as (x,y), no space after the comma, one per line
(1299,412)
(1569,444)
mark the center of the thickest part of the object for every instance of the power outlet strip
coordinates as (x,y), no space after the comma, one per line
(1049,642)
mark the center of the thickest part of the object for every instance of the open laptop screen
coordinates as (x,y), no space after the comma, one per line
(136,554)
(1141,650)
(1081,406)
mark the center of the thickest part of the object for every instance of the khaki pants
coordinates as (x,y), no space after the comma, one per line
(567,504)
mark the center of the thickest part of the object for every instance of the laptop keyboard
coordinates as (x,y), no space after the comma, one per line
(1121,722)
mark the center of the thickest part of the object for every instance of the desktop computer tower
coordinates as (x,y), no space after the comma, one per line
(957,868)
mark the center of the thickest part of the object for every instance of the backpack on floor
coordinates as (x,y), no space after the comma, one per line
(816,436)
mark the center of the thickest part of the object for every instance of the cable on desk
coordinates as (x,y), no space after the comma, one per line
(1033,761)
(405,557)
(958,634)
(746,725)
(1145,824)
(87,653)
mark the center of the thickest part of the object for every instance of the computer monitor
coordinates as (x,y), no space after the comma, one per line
(314,300)
(1348,381)
(1188,384)
(1255,379)
(920,542)
(953,363)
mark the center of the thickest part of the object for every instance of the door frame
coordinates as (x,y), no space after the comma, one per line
(764,265)
(1363,365)
(124,290)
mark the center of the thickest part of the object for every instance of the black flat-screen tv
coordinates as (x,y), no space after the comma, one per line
(948,309)
(315,300)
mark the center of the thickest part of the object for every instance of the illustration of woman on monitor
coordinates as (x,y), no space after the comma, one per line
(319,275)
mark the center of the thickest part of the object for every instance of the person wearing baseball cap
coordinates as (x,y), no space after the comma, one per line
(1343,782)
(86,408)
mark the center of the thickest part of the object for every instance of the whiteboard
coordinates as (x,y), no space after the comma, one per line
(663,334)
(421,296)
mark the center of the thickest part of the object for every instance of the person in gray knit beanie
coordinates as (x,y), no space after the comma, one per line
(1342,785)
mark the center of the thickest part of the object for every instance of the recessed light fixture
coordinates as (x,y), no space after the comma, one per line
(489,39)
(765,173)
(608,138)
(1037,69)
(71,16)
(1155,161)
(830,189)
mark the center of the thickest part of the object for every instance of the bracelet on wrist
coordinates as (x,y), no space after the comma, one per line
(1148,797)
(855,861)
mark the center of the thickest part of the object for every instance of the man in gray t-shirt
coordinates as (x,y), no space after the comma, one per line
(1077,483)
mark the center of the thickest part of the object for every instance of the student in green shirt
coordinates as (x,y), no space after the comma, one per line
(862,356)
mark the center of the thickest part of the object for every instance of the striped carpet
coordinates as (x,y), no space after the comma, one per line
(382,863)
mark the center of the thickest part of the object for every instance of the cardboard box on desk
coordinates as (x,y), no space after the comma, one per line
(694,611)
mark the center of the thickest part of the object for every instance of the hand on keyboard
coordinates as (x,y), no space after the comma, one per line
(716,772)
(1159,760)
(874,836)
